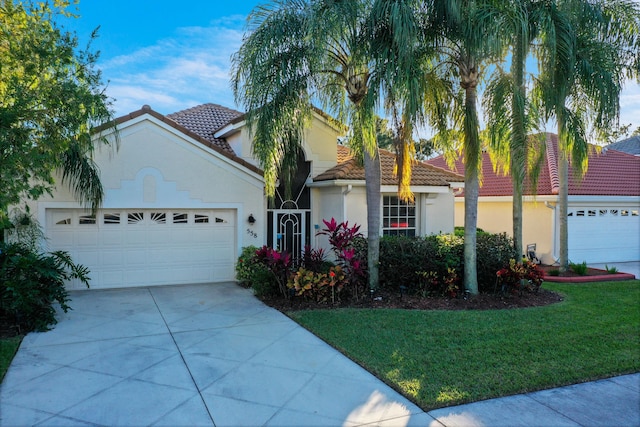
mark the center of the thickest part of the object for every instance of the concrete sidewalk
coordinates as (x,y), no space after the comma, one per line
(204,355)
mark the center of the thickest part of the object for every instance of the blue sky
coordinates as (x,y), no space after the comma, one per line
(175,55)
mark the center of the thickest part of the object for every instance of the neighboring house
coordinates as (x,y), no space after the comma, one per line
(603,221)
(629,145)
(183,195)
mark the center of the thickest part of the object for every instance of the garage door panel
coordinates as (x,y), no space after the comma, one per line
(144,247)
(604,234)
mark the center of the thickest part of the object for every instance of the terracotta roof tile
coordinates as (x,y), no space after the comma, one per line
(610,173)
(205,120)
(226,153)
(422,174)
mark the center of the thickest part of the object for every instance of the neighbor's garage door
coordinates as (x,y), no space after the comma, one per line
(609,234)
(125,248)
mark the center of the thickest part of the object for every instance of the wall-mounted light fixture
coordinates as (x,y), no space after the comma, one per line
(251,219)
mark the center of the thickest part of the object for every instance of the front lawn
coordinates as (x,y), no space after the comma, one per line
(8,348)
(444,358)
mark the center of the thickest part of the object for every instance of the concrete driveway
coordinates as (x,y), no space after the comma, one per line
(198,355)
(213,355)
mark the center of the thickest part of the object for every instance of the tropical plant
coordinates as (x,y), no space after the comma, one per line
(319,287)
(587,49)
(430,47)
(342,238)
(248,265)
(278,264)
(297,51)
(51,104)
(519,277)
(31,282)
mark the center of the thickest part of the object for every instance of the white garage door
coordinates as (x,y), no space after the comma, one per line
(610,234)
(125,248)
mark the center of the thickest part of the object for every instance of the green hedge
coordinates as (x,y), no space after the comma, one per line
(404,260)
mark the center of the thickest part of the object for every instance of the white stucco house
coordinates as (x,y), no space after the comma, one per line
(183,195)
(603,209)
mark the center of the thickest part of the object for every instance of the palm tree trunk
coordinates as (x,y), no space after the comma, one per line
(518,140)
(473,155)
(563,204)
(372,178)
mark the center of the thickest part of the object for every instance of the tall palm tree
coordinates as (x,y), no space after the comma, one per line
(297,51)
(446,42)
(509,115)
(588,48)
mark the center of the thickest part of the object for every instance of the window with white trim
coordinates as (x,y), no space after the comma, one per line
(398,217)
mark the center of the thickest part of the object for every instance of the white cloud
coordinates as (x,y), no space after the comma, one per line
(176,73)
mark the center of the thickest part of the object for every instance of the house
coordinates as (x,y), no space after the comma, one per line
(603,208)
(630,145)
(183,195)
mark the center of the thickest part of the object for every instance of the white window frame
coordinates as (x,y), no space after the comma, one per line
(397,217)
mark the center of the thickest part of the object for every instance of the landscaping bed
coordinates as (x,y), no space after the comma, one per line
(413,302)
(551,274)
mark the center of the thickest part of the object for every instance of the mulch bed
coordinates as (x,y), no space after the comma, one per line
(570,273)
(390,300)
(395,300)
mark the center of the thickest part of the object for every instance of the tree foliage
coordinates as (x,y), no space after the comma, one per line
(51,102)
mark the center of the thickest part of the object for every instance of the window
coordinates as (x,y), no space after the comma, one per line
(624,212)
(134,217)
(86,219)
(201,219)
(180,218)
(592,213)
(603,212)
(111,218)
(398,217)
(65,221)
(159,217)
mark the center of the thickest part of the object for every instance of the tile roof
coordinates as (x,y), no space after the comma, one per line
(629,145)
(228,153)
(610,173)
(422,174)
(205,120)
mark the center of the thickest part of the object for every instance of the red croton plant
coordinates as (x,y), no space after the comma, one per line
(517,277)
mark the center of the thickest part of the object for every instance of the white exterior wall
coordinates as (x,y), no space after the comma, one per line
(158,167)
(437,213)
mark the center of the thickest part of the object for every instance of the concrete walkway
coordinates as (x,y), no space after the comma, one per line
(205,355)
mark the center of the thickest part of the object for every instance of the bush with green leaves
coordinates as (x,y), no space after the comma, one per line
(31,283)
(247,265)
(435,264)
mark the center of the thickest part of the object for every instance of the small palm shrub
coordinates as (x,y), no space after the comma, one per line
(580,269)
(31,283)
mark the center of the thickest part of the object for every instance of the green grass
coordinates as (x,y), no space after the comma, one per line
(444,358)
(8,348)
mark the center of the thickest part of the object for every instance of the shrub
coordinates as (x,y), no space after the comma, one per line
(264,284)
(580,269)
(435,264)
(493,252)
(342,239)
(248,265)
(459,231)
(611,270)
(31,282)
(319,287)
(278,264)
(518,277)
(315,260)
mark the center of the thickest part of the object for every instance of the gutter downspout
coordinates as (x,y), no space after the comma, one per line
(345,191)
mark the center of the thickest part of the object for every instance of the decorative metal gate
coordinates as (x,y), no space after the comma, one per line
(290,217)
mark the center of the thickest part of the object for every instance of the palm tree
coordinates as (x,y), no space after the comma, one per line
(434,45)
(508,111)
(297,51)
(588,48)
